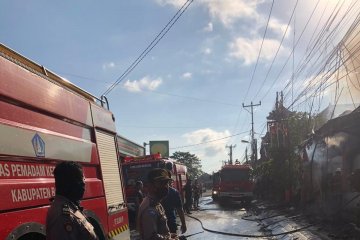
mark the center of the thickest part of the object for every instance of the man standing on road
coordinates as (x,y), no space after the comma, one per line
(139,197)
(188,196)
(196,193)
(171,203)
(65,219)
(151,217)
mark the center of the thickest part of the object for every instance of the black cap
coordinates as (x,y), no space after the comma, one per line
(158,174)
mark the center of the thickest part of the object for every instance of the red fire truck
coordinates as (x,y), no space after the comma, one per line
(216,186)
(235,183)
(137,168)
(45,119)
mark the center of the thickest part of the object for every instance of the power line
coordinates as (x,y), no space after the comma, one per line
(347,83)
(135,126)
(323,89)
(292,52)
(194,98)
(304,63)
(329,22)
(252,77)
(277,51)
(258,57)
(214,140)
(160,93)
(335,67)
(156,40)
(321,34)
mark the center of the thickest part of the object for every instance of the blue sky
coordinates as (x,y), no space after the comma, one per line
(190,88)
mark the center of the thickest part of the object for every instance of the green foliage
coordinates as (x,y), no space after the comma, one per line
(191,161)
(282,168)
(299,124)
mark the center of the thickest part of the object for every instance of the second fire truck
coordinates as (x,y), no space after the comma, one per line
(137,168)
(233,182)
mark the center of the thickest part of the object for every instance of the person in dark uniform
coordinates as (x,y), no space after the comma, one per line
(196,192)
(139,196)
(172,203)
(65,219)
(188,196)
(151,221)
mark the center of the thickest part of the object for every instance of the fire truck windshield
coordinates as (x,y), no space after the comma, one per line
(235,174)
(133,173)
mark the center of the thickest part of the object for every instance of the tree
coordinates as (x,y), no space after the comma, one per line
(191,161)
(280,167)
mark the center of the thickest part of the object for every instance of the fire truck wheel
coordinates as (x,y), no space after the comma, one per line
(32,236)
(95,221)
(28,231)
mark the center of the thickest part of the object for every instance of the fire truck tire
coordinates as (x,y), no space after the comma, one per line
(28,231)
(95,221)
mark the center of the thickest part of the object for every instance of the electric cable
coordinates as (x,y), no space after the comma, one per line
(156,40)
(162,93)
(261,46)
(331,72)
(314,45)
(346,80)
(277,51)
(248,235)
(325,80)
(327,86)
(205,142)
(333,54)
(325,28)
(252,77)
(292,52)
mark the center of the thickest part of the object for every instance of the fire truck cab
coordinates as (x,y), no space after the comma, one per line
(236,183)
(137,168)
(215,186)
(45,119)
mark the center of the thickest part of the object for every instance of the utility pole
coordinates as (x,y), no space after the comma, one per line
(230,154)
(246,156)
(253,140)
(145,147)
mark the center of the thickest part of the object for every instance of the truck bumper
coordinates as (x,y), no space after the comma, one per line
(236,195)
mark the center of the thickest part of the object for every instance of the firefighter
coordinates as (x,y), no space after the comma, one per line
(65,219)
(139,194)
(172,203)
(151,219)
(188,196)
(196,192)
(337,188)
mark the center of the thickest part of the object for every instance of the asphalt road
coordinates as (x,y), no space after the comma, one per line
(227,218)
(234,220)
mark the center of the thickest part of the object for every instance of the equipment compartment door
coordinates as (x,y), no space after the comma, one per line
(110,171)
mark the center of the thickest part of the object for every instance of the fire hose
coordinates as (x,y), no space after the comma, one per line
(248,235)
